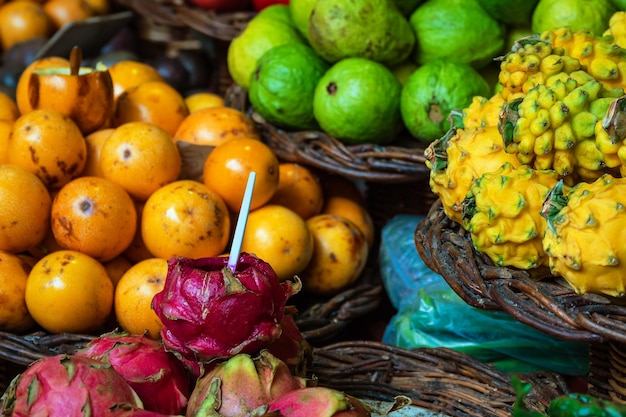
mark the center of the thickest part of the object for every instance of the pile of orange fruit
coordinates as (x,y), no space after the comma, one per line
(23,20)
(89,219)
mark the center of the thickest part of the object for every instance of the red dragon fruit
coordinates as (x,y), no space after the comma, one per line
(291,347)
(315,402)
(240,384)
(210,312)
(156,375)
(69,386)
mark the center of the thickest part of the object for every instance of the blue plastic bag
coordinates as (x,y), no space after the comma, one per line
(431,314)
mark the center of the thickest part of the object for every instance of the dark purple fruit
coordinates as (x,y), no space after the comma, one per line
(172,71)
(198,65)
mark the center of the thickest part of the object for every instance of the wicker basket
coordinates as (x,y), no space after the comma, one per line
(547,304)
(438,380)
(179,14)
(401,162)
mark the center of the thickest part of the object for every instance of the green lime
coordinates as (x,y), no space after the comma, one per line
(358,101)
(283,83)
(435,89)
(259,36)
(510,12)
(457,30)
(619,4)
(593,15)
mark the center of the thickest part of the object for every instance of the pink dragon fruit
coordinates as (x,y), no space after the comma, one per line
(291,347)
(240,384)
(210,312)
(68,386)
(156,375)
(315,402)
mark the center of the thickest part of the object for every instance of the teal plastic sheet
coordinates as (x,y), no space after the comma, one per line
(430,314)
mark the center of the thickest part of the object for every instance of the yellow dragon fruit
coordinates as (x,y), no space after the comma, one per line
(553,125)
(610,136)
(532,61)
(459,157)
(483,111)
(602,58)
(502,212)
(585,234)
(617,28)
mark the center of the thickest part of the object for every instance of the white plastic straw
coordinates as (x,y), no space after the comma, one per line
(242,219)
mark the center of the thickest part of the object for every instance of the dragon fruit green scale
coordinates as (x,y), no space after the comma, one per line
(502,213)
(585,235)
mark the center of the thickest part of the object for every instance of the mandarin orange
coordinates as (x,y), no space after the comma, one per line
(94,216)
(153,102)
(298,189)
(133,297)
(14,315)
(68,291)
(140,157)
(227,168)
(48,144)
(24,211)
(185,218)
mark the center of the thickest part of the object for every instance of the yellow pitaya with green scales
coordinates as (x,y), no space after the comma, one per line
(532,61)
(502,213)
(459,157)
(617,28)
(483,111)
(610,136)
(601,56)
(585,235)
(553,125)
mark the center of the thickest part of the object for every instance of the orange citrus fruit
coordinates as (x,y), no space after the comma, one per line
(128,74)
(140,157)
(68,291)
(298,189)
(280,237)
(62,12)
(201,100)
(21,92)
(215,125)
(227,168)
(48,144)
(14,315)
(340,253)
(94,143)
(353,211)
(24,209)
(94,216)
(185,218)
(5,134)
(116,267)
(133,297)
(153,102)
(8,108)
(22,20)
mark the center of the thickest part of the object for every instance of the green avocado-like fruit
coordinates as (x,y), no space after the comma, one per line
(282,86)
(358,101)
(432,91)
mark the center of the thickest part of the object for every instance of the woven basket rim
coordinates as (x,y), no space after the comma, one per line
(399,162)
(224,26)
(548,304)
(438,379)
